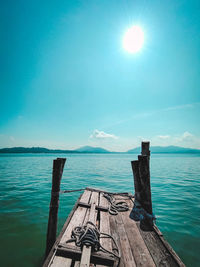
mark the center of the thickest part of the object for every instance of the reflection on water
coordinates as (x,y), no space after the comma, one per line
(25,182)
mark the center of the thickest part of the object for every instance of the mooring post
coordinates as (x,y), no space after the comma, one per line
(141,174)
(145,149)
(137,181)
(145,176)
(58,166)
(145,193)
(136,173)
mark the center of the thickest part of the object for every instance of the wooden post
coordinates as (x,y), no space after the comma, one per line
(146,173)
(145,193)
(137,182)
(145,149)
(58,166)
(141,173)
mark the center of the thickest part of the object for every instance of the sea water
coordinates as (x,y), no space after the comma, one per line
(25,186)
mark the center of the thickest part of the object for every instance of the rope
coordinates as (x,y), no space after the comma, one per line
(89,235)
(70,191)
(114,206)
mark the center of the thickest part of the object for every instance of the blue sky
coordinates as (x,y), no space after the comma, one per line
(66,80)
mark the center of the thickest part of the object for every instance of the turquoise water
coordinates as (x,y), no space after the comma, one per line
(25,182)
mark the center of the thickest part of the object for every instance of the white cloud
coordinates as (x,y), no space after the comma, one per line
(186,135)
(102,135)
(188,139)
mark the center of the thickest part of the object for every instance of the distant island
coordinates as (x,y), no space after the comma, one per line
(90,149)
(167,149)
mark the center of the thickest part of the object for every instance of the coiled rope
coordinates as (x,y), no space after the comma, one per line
(114,206)
(89,235)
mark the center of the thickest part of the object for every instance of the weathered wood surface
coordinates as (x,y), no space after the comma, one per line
(61,261)
(126,251)
(162,254)
(86,253)
(140,252)
(78,217)
(77,220)
(145,194)
(75,253)
(58,166)
(137,247)
(168,247)
(141,174)
(104,225)
(137,181)
(145,149)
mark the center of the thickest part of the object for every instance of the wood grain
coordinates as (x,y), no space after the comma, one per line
(140,252)
(126,251)
(76,220)
(104,225)
(58,166)
(86,253)
(159,253)
(78,217)
(61,261)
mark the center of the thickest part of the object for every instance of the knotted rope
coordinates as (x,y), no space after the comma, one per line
(114,206)
(89,235)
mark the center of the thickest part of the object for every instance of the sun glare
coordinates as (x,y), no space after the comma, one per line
(133,39)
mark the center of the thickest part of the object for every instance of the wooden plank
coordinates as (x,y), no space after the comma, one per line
(140,252)
(86,253)
(85,198)
(103,201)
(77,264)
(81,204)
(104,225)
(85,257)
(76,220)
(76,253)
(168,247)
(61,261)
(126,252)
(114,233)
(113,226)
(93,201)
(158,251)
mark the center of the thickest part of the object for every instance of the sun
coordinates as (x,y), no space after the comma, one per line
(133,39)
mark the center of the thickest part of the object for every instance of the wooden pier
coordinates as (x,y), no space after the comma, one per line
(125,237)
